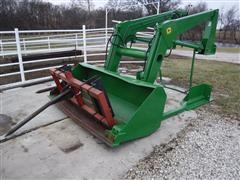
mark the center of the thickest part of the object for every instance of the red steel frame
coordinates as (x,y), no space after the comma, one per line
(106,116)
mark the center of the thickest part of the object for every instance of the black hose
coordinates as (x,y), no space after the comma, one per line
(65,94)
(170,52)
(110,41)
(106,51)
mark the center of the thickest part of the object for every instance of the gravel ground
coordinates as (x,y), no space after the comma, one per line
(209,148)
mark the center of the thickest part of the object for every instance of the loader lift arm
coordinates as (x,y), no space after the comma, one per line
(167,34)
(168,26)
(126,31)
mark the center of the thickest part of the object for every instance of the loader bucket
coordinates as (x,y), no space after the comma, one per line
(137,106)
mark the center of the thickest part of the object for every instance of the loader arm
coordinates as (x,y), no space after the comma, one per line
(168,26)
(126,31)
(166,36)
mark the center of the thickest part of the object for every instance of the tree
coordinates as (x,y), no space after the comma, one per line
(221,23)
(83,4)
(7,14)
(123,5)
(122,10)
(165,5)
(114,5)
(230,23)
(236,31)
(195,33)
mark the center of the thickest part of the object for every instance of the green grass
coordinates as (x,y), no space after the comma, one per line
(224,77)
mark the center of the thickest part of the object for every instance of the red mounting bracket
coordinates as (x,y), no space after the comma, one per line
(105,115)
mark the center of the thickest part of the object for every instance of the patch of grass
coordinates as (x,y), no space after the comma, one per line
(224,77)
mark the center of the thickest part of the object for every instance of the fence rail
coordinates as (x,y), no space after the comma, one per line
(31,43)
(27,42)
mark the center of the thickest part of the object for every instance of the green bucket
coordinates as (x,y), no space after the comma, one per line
(138,106)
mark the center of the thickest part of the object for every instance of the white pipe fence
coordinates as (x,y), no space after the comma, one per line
(20,43)
(19,55)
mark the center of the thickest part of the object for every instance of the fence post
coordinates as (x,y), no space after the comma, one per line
(158,6)
(1,45)
(19,54)
(106,26)
(84,44)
